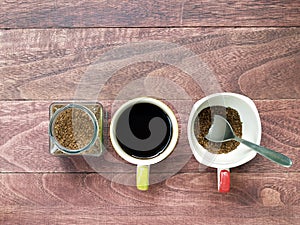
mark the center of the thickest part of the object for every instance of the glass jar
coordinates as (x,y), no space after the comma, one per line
(75,128)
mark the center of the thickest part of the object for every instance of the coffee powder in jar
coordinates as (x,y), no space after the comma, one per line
(76,128)
(73,129)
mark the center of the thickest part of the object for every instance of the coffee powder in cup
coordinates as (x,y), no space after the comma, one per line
(204,122)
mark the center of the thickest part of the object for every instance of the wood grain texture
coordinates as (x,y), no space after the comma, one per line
(183,198)
(153,13)
(251,47)
(49,64)
(24,140)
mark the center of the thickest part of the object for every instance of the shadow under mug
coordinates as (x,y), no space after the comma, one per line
(133,128)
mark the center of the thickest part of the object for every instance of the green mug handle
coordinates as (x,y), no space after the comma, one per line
(142,177)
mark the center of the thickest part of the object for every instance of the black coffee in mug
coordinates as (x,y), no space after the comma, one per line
(144,130)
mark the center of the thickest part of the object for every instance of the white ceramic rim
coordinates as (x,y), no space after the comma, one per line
(159,157)
(190,130)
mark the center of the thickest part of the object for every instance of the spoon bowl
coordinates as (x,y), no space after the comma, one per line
(221,131)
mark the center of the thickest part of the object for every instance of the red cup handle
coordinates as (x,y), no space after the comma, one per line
(224,180)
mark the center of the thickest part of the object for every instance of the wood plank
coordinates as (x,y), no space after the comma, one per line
(241,13)
(81,198)
(24,140)
(153,13)
(50,64)
(95,216)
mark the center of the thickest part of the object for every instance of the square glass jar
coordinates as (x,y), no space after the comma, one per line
(76,128)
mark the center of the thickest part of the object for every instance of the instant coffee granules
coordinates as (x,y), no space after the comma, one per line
(73,129)
(204,122)
(76,128)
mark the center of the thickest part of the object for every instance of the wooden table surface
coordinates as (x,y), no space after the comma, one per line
(252,47)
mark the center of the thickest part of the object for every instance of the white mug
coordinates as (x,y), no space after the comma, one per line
(251,130)
(143,164)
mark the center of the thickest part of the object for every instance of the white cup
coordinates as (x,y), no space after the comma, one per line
(251,131)
(143,164)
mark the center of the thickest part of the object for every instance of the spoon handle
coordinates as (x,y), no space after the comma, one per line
(268,153)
